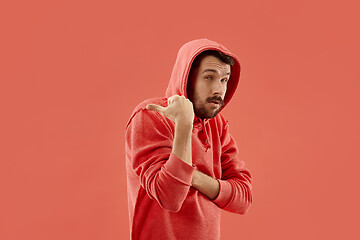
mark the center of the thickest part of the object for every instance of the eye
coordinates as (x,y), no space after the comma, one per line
(224,80)
(208,77)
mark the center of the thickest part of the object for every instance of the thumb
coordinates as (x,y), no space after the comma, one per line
(156,108)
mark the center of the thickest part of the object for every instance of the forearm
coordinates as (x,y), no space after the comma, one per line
(182,142)
(205,184)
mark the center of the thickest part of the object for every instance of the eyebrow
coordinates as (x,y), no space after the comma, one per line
(213,70)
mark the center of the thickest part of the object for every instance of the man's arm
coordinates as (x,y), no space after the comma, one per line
(180,111)
(182,142)
(231,193)
(205,184)
(165,177)
(162,159)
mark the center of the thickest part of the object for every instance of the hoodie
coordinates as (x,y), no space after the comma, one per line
(162,203)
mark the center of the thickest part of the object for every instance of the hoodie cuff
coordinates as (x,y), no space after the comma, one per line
(179,169)
(223,198)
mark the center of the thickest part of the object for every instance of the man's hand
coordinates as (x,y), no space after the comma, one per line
(179,110)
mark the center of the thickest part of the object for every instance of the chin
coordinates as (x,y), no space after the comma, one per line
(205,113)
(209,116)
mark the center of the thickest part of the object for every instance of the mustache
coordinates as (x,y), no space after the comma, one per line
(215,98)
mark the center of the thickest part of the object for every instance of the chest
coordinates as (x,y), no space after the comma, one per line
(206,150)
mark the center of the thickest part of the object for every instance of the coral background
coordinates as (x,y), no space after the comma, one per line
(71,73)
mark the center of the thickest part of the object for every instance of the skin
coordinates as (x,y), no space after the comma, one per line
(207,83)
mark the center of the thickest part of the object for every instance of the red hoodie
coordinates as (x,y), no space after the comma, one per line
(162,203)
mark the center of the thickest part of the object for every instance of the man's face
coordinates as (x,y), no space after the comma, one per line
(207,86)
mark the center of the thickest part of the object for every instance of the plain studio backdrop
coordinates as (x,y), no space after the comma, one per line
(71,73)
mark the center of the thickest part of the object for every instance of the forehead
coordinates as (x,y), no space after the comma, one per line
(211,62)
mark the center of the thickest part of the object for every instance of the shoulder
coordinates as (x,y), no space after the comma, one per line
(157,100)
(141,108)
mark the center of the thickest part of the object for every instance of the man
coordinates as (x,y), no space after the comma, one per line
(181,161)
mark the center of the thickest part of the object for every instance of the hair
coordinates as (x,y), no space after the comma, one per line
(219,55)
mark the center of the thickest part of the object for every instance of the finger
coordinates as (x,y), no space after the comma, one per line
(171,99)
(156,108)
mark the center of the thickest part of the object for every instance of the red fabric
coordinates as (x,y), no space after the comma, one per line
(162,203)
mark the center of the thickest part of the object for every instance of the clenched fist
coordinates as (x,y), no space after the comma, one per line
(179,110)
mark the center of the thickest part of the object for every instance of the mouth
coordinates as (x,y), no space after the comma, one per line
(214,103)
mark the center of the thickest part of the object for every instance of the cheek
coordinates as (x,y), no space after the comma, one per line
(201,92)
(202,87)
(225,88)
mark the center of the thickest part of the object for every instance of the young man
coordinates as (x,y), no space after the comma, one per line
(181,161)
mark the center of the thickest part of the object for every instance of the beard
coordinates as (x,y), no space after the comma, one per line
(201,108)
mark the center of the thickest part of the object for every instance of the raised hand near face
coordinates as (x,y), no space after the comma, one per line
(179,110)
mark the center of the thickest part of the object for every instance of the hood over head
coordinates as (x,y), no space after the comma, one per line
(186,55)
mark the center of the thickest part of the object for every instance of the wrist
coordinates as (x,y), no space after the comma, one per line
(194,179)
(183,124)
(182,142)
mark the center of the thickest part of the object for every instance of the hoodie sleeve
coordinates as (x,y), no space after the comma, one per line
(164,176)
(235,184)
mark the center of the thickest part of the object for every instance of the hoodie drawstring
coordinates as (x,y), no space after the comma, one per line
(207,141)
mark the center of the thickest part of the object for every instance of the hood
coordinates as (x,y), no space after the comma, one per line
(186,55)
